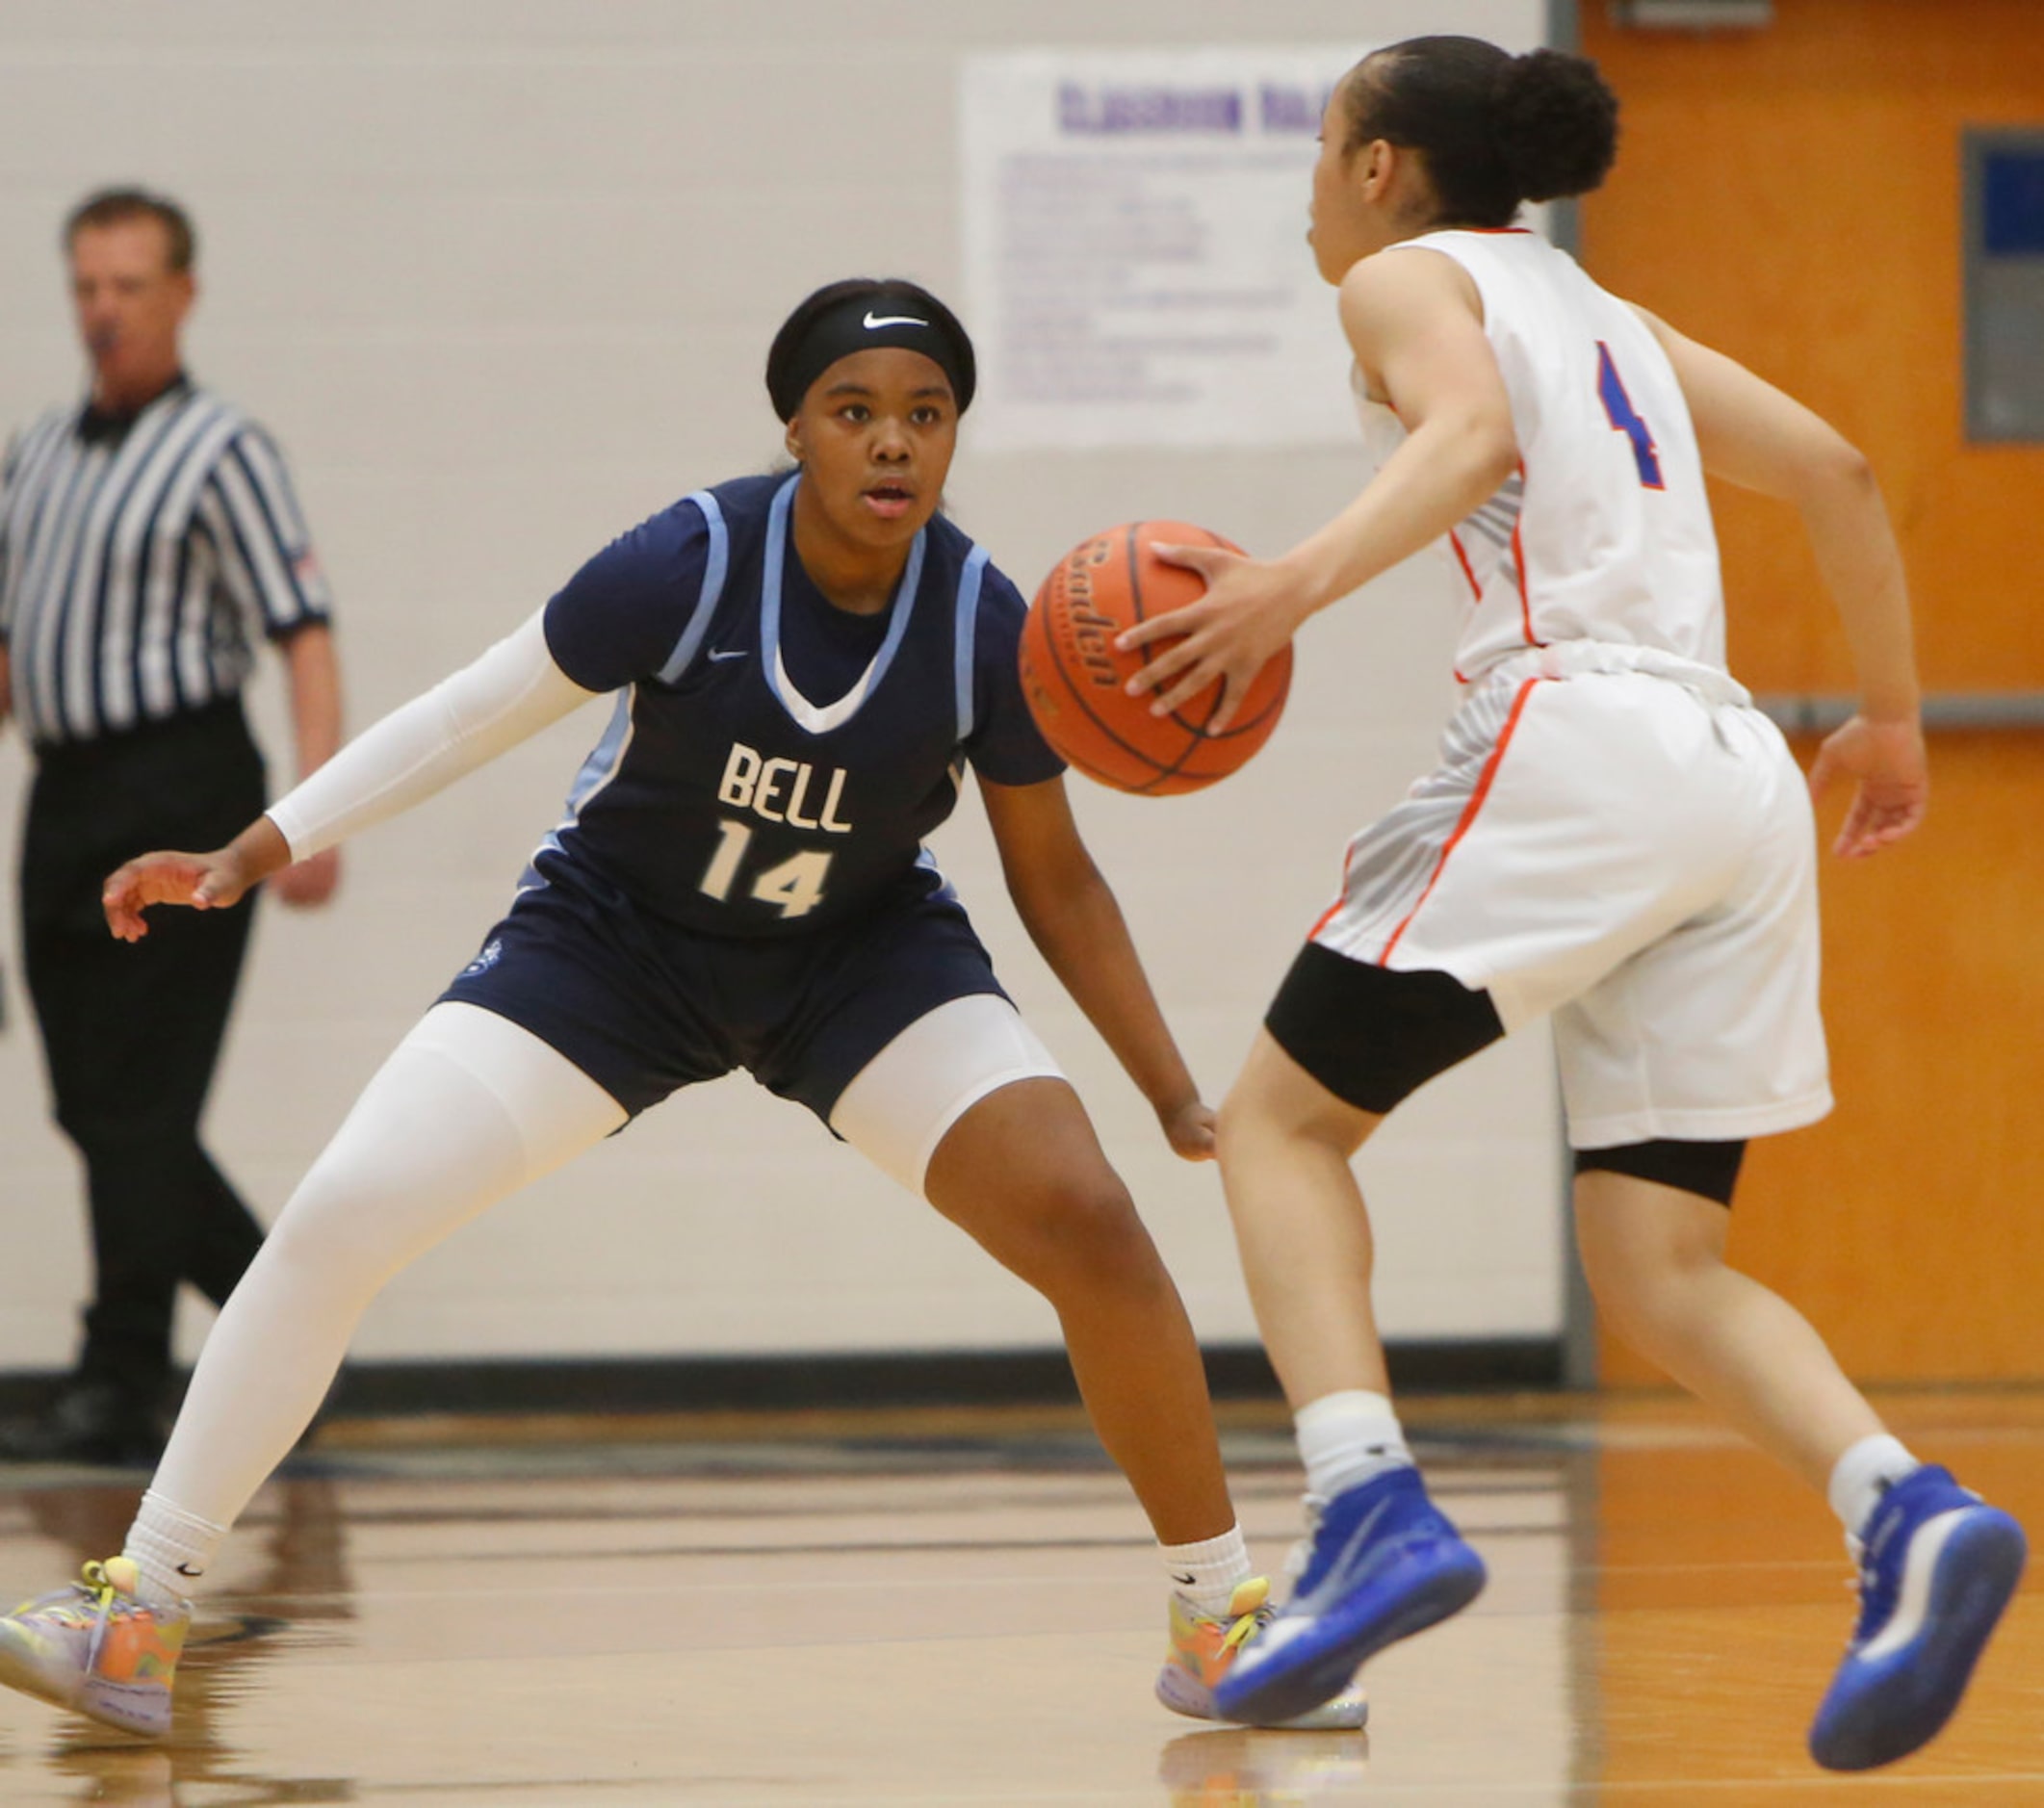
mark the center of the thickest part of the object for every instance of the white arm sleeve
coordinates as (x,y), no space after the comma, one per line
(466,720)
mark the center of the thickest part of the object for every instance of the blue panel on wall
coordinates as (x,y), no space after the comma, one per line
(2012,203)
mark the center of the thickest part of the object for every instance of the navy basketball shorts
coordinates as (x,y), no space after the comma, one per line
(644,1007)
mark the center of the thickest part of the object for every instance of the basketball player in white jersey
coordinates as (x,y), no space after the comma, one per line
(1614,836)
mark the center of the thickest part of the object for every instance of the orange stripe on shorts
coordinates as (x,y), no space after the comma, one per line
(1468,816)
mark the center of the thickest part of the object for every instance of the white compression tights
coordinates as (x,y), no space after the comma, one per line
(465,1110)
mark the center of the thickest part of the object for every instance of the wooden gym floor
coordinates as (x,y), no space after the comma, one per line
(954,1609)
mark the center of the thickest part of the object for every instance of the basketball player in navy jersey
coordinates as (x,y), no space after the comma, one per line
(803,665)
(1615,837)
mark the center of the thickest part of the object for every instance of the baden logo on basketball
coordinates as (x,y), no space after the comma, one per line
(1091,632)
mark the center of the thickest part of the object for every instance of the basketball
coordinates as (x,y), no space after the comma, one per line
(1072,674)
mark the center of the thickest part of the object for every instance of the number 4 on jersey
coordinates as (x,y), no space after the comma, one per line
(1625,419)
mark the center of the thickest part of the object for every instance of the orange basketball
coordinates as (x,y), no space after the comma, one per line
(1072,674)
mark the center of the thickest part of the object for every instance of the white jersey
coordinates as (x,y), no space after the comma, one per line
(1604,533)
(1613,836)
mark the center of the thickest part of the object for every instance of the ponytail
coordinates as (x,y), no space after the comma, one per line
(1495,130)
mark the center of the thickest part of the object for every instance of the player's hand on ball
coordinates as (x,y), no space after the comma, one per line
(1245,619)
(1892,775)
(1189,1128)
(1075,669)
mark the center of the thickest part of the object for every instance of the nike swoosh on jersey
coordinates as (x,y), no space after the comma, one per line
(718,655)
(893,320)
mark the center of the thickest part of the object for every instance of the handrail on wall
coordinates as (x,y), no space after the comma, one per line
(1975,710)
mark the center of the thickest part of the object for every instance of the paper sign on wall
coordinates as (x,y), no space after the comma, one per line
(1136,263)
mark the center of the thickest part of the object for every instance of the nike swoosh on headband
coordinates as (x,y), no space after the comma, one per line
(893,320)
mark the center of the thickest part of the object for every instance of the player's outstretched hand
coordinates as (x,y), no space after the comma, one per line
(1250,610)
(1887,762)
(1190,1130)
(202,880)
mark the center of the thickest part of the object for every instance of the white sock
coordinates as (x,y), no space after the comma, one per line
(1208,1572)
(170,1550)
(1347,1438)
(1864,1474)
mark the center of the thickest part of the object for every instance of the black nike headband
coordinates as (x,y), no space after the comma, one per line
(861,323)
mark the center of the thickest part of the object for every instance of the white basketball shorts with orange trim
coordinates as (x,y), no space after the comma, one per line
(1634,855)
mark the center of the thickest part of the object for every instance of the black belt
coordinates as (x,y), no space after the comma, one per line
(210,721)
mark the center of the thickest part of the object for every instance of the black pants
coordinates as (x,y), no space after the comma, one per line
(131,1032)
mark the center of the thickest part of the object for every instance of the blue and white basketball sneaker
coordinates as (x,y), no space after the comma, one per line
(1937,1567)
(1382,1563)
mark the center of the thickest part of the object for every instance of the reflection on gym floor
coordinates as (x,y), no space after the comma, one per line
(946,1609)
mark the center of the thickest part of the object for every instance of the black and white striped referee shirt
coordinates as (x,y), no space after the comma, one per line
(137,565)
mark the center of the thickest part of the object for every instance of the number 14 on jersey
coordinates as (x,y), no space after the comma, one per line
(795,885)
(775,791)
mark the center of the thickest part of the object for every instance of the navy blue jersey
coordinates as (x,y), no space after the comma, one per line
(724,796)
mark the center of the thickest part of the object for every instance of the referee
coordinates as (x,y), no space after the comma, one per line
(148,539)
